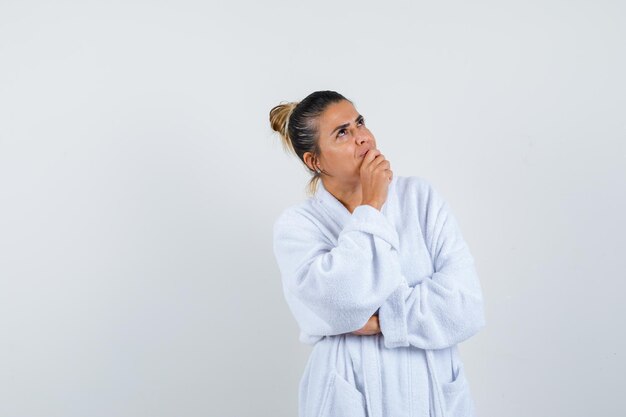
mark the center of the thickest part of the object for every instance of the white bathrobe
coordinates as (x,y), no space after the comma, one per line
(408,262)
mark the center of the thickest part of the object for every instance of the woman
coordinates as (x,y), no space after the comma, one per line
(376,273)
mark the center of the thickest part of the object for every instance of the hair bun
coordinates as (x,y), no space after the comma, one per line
(279,120)
(279,117)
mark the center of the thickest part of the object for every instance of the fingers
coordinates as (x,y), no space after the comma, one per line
(384,166)
(369,332)
(374,159)
(371,327)
(370,156)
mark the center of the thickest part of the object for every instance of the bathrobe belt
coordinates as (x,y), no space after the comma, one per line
(372,379)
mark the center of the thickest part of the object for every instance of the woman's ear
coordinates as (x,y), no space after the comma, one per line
(316,165)
(309,160)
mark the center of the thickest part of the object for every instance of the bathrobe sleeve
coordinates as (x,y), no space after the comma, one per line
(335,288)
(445,308)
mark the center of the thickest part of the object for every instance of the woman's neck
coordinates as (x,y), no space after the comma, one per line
(348,193)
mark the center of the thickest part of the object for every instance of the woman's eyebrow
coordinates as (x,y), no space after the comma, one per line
(343,126)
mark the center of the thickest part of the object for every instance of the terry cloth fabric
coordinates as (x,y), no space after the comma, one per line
(408,262)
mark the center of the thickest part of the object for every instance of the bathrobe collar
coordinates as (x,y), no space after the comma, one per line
(337,210)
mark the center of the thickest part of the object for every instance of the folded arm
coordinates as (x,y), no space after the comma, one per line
(335,287)
(445,308)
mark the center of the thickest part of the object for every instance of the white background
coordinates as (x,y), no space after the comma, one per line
(139,180)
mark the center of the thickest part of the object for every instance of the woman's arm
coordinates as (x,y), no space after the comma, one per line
(331,288)
(445,308)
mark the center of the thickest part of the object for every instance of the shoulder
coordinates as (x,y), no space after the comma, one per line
(419,195)
(415,186)
(299,227)
(299,215)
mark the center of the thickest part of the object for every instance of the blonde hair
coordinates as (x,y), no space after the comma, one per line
(279,119)
(297,125)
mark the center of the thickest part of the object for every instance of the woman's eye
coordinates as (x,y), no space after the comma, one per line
(362,122)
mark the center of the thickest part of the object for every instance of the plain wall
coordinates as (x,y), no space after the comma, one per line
(140,178)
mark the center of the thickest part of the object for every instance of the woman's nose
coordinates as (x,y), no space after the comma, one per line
(361,138)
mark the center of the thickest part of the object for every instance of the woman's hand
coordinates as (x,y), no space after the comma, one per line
(371,327)
(376,175)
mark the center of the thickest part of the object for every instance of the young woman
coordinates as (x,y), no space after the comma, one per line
(376,273)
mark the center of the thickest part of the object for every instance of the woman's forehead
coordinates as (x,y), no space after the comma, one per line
(337,114)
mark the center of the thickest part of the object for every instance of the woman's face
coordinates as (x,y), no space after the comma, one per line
(343,140)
